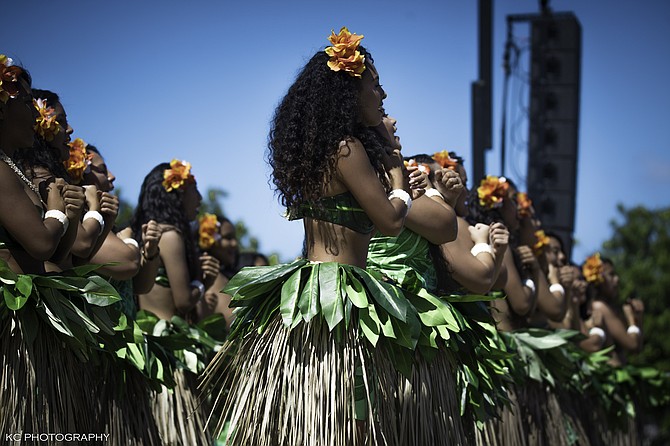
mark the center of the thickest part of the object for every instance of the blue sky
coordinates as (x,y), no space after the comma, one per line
(150,81)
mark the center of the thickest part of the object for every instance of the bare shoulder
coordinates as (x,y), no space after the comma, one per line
(349,147)
(166,228)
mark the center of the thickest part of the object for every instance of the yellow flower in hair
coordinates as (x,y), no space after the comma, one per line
(46,125)
(593,269)
(344,54)
(523,204)
(542,240)
(208,230)
(177,175)
(79,161)
(492,191)
(445,160)
(9,79)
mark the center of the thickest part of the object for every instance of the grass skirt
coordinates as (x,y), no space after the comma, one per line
(304,387)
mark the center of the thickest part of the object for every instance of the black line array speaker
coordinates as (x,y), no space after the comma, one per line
(555,68)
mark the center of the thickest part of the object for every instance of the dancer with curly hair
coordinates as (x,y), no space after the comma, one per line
(306,361)
(169,197)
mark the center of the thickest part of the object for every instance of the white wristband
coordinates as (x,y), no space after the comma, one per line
(633,329)
(95,215)
(480,248)
(60,216)
(402,195)
(200,286)
(530,284)
(434,193)
(131,242)
(557,288)
(598,332)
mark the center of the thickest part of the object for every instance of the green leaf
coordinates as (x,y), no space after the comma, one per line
(13,302)
(51,312)
(330,296)
(369,326)
(256,281)
(289,298)
(309,298)
(387,296)
(24,285)
(7,276)
(84,270)
(100,292)
(407,333)
(355,291)
(540,341)
(135,356)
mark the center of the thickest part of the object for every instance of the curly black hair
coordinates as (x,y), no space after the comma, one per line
(481,214)
(156,203)
(320,110)
(41,154)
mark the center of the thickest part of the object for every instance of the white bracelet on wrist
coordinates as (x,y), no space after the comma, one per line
(557,288)
(131,242)
(633,329)
(402,195)
(434,193)
(200,286)
(95,215)
(598,332)
(60,216)
(530,284)
(482,247)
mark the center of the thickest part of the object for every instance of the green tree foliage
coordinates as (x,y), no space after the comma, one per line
(247,242)
(640,250)
(126,210)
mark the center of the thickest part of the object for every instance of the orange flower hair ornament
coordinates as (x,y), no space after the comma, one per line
(425,168)
(46,125)
(523,205)
(344,54)
(445,160)
(593,269)
(177,175)
(9,79)
(208,230)
(492,191)
(542,240)
(79,162)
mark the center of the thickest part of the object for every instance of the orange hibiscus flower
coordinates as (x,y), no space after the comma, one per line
(344,54)
(207,231)
(46,125)
(593,269)
(79,162)
(542,240)
(9,79)
(492,191)
(177,175)
(445,160)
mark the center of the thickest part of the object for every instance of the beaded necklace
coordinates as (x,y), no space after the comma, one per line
(17,171)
